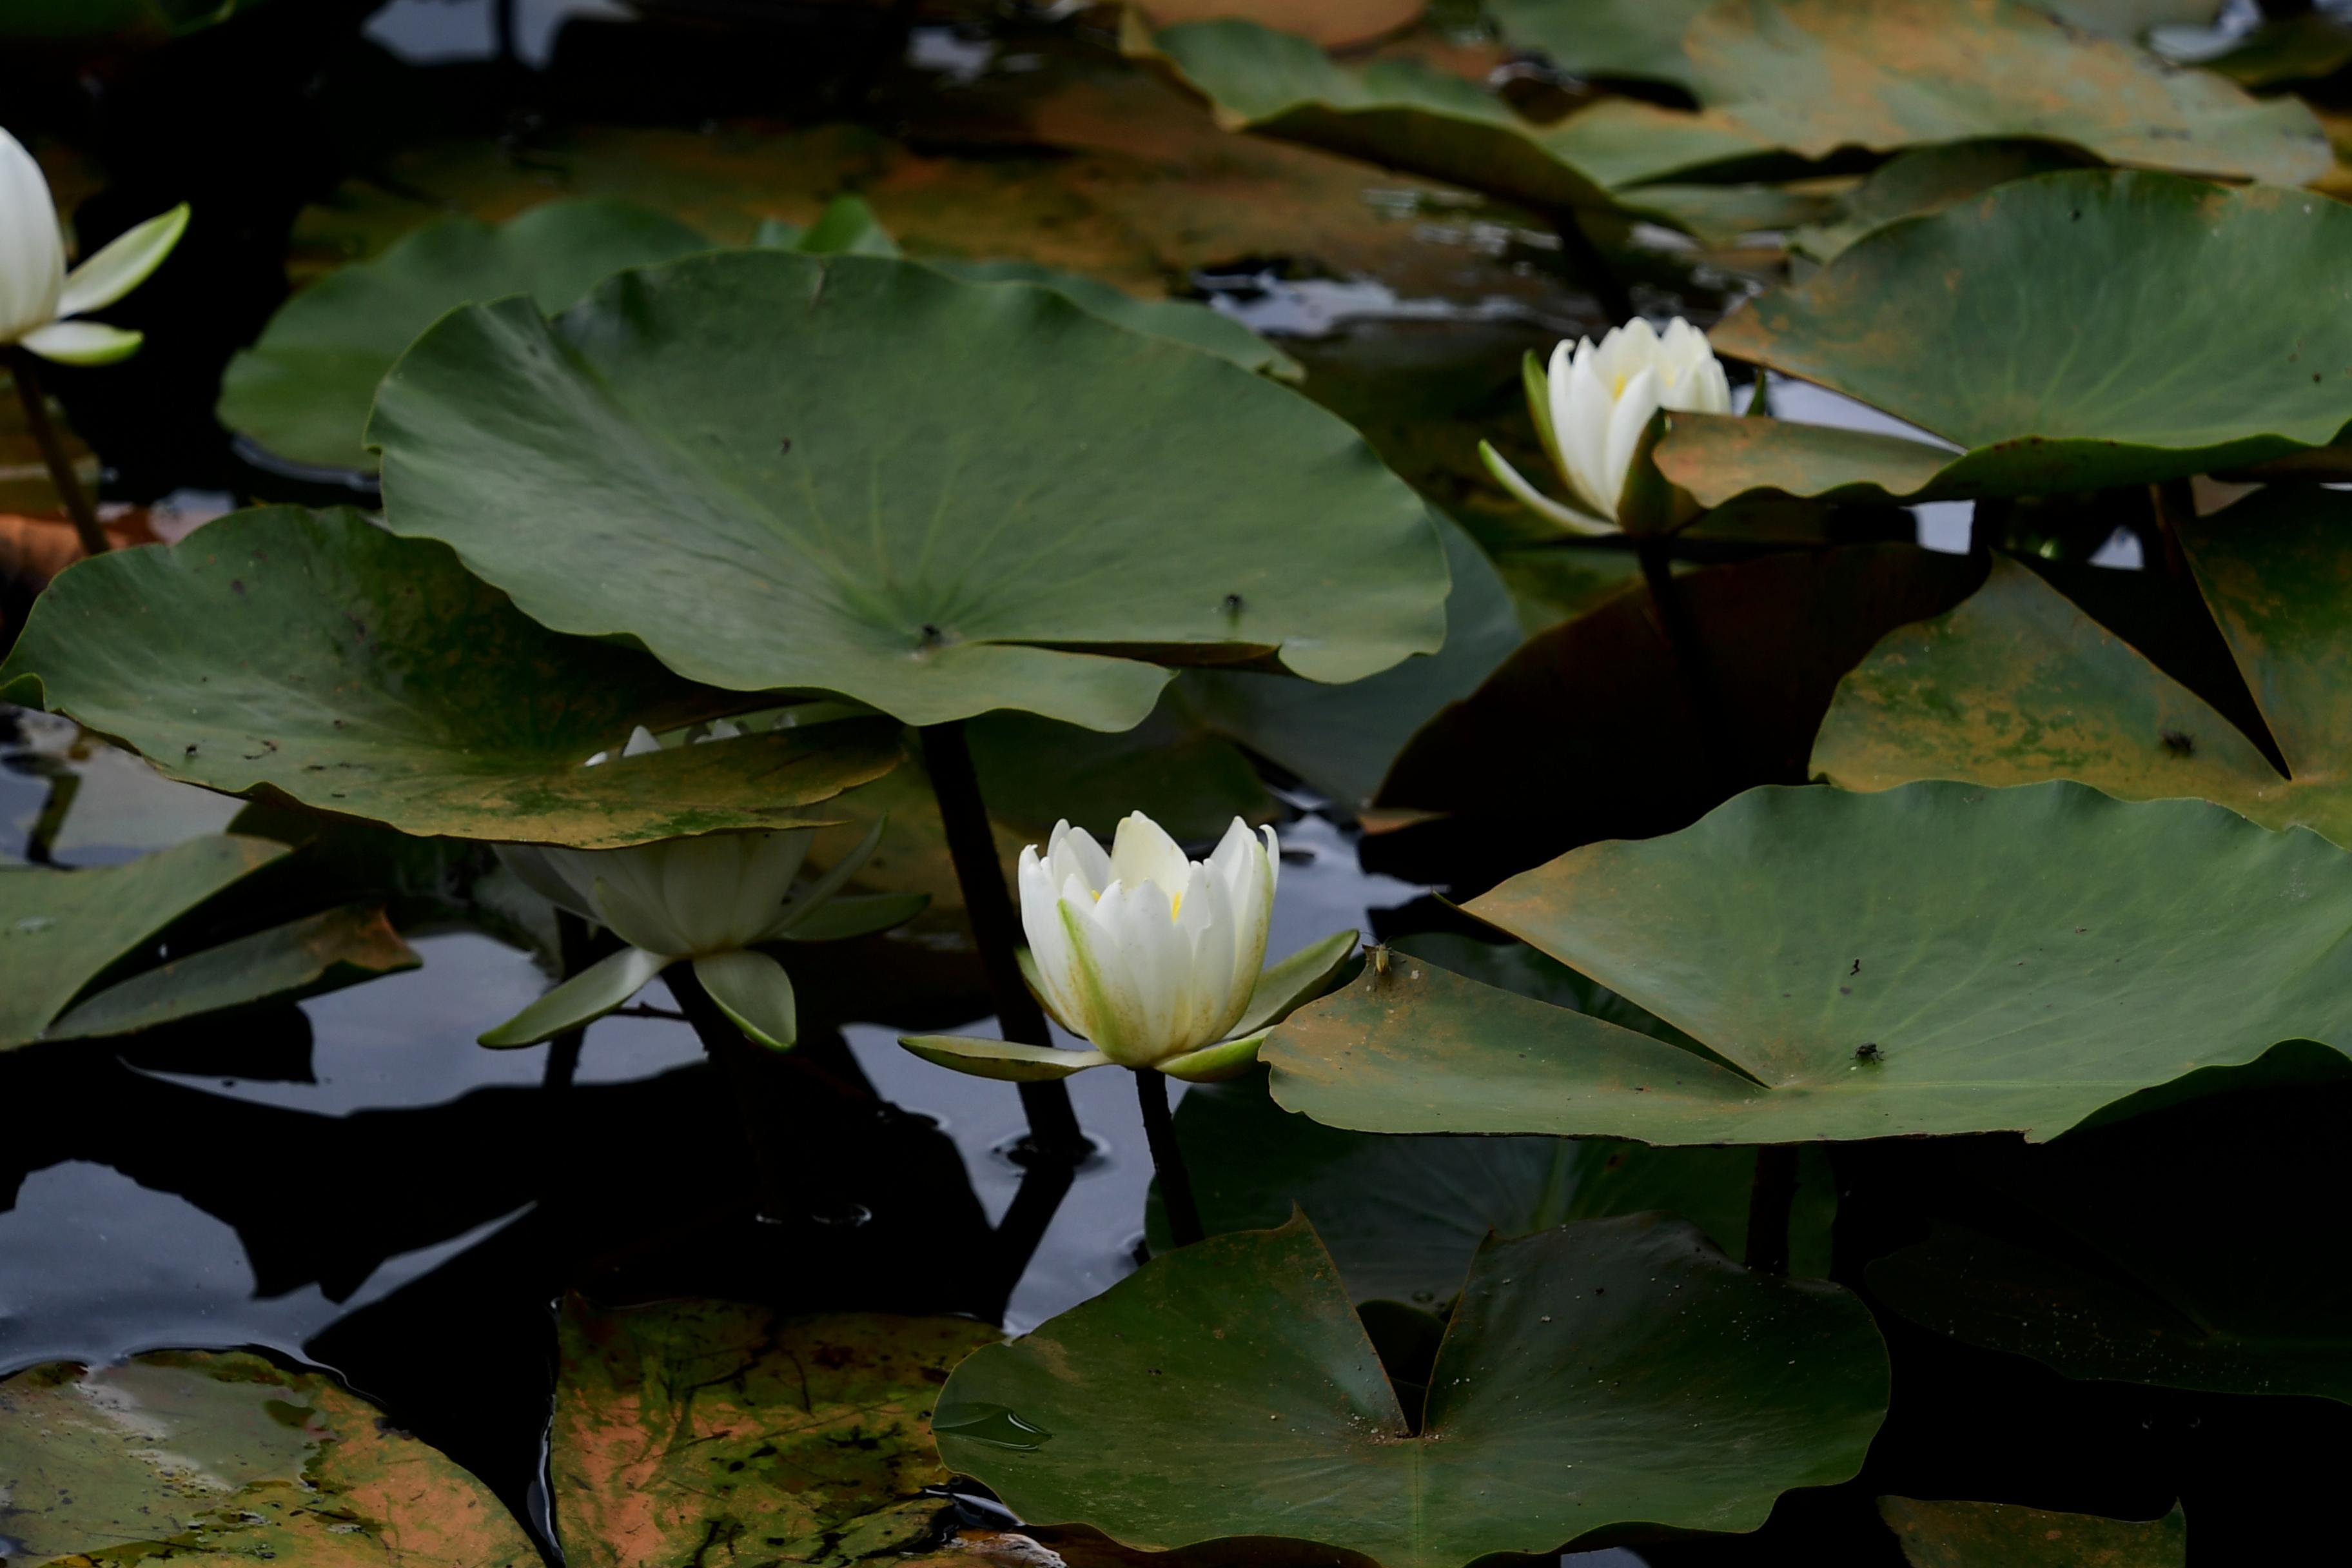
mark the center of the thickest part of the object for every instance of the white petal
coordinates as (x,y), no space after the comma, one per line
(1072,851)
(641,740)
(1626,423)
(1143,852)
(82,342)
(1585,440)
(542,869)
(122,264)
(32,250)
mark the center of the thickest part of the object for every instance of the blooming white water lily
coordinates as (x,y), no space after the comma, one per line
(709,900)
(1158,960)
(38,298)
(1593,407)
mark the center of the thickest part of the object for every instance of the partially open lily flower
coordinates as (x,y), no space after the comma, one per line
(38,298)
(1157,960)
(709,900)
(1593,408)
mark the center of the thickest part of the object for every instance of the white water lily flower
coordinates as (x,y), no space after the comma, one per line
(38,297)
(709,900)
(1158,960)
(1593,407)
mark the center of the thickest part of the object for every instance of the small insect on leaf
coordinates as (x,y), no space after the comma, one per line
(2180,743)
(1868,1051)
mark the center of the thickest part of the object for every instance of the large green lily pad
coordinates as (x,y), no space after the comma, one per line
(1816,75)
(1402,1216)
(2139,1265)
(2018,684)
(698,1425)
(1605,1373)
(1939,958)
(2042,303)
(317,657)
(2004,1535)
(939,498)
(61,929)
(1640,40)
(1927,180)
(221,1458)
(302,390)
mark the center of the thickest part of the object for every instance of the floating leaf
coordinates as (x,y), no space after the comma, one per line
(1602,1373)
(695,1424)
(227,1457)
(303,389)
(60,929)
(1817,76)
(2003,1535)
(1938,958)
(1179,320)
(301,958)
(318,657)
(1927,180)
(1587,731)
(1332,22)
(1640,40)
(2033,300)
(2137,1266)
(1402,1216)
(2018,684)
(939,498)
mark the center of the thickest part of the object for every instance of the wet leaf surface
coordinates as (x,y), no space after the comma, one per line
(1939,958)
(315,655)
(217,1458)
(61,929)
(869,528)
(1595,1374)
(1927,180)
(2033,297)
(1402,1216)
(2019,684)
(2109,1254)
(2005,1535)
(303,390)
(700,1427)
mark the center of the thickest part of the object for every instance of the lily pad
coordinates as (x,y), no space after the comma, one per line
(694,1425)
(1927,180)
(314,656)
(61,929)
(937,498)
(301,958)
(1939,958)
(1404,1217)
(2018,684)
(303,389)
(1597,1374)
(2031,298)
(1179,320)
(1636,41)
(2004,1535)
(2138,1266)
(1819,76)
(227,1457)
(1336,24)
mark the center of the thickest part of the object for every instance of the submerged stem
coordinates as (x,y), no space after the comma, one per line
(1769,1202)
(87,527)
(1687,653)
(1167,1157)
(1053,1124)
(738,1059)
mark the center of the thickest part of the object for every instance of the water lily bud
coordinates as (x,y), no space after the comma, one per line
(1593,408)
(38,298)
(709,900)
(1144,953)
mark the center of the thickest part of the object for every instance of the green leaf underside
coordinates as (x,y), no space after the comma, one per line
(2004,1535)
(957,498)
(2141,1267)
(1403,1215)
(2016,959)
(225,1458)
(59,929)
(2034,301)
(301,958)
(303,389)
(693,1422)
(2017,684)
(314,656)
(1814,76)
(1614,1371)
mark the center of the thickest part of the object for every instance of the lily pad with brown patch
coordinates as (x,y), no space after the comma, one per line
(2006,1535)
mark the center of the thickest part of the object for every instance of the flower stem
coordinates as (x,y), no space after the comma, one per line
(737,1059)
(87,527)
(1167,1157)
(575,951)
(1687,654)
(1054,1131)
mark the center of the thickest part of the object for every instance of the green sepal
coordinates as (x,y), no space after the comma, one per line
(1286,987)
(753,990)
(1215,1064)
(838,920)
(580,1000)
(1006,1061)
